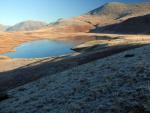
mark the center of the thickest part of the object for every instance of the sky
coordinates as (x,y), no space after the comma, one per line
(14,11)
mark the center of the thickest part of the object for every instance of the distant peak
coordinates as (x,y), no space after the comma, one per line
(107,7)
(28,25)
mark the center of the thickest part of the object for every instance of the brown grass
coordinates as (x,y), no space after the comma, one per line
(8,41)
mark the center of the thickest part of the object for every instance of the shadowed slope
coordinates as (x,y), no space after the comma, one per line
(135,25)
(48,66)
(117,84)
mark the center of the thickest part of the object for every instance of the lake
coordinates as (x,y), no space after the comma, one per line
(41,48)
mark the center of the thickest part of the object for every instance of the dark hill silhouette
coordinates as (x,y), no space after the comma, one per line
(135,25)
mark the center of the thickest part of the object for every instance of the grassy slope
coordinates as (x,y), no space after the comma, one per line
(112,84)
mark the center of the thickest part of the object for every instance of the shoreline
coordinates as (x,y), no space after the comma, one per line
(33,69)
(109,78)
(9,41)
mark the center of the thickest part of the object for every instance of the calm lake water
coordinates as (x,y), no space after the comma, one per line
(41,48)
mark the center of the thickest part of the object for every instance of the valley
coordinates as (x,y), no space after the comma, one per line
(101,63)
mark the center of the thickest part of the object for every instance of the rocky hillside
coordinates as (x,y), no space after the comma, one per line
(115,84)
(135,25)
(27,26)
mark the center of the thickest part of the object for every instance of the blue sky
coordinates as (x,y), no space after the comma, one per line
(14,11)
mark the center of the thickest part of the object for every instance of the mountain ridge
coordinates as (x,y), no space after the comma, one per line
(113,12)
(28,25)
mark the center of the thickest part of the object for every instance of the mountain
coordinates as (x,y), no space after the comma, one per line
(100,79)
(115,12)
(110,13)
(3,27)
(135,25)
(27,26)
(118,10)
